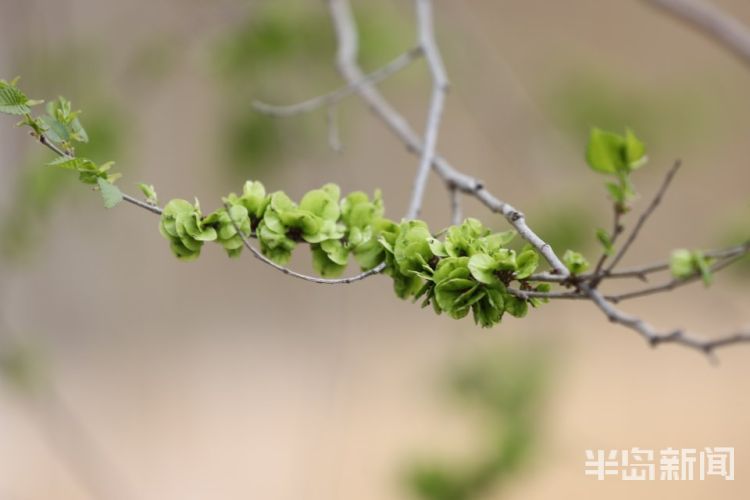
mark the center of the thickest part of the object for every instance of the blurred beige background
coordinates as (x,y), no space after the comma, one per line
(223,379)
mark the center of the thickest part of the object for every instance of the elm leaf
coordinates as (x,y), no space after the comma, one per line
(111,194)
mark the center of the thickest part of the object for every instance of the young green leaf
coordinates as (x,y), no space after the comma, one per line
(704,267)
(604,151)
(63,125)
(681,263)
(635,151)
(686,264)
(605,239)
(575,262)
(149,192)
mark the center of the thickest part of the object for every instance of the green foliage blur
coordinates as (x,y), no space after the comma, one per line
(264,57)
(736,229)
(587,98)
(565,223)
(506,391)
(22,366)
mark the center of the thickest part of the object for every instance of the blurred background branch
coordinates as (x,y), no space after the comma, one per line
(712,22)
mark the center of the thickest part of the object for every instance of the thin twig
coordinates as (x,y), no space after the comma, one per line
(640,272)
(654,337)
(645,215)
(126,197)
(338,95)
(531,294)
(673,283)
(670,285)
(617,229)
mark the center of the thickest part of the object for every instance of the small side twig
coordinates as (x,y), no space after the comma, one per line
(338,95)
(645,215)
(641,272)
(673,283)
(617,229)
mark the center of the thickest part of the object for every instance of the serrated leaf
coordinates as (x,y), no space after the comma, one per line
(55,131)
(111,194)
(73,163)
(12,100)
(78,133)
(63,123)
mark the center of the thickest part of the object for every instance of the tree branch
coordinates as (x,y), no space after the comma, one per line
(712,22)
(346,33)
(653,336)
